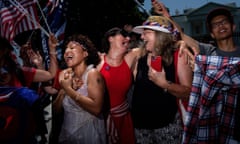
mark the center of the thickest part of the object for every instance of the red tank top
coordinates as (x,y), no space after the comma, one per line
(118,80)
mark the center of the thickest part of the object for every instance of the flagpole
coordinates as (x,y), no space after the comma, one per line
(26,13)
(140,5)
(43,16)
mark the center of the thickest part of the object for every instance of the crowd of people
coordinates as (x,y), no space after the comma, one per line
(162,88)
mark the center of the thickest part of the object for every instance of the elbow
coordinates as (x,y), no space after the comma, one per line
(51,75)
(96,112)
(186,94)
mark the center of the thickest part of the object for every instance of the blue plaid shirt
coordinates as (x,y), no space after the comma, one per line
(212,113)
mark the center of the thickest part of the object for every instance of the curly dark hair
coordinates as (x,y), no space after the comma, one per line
(93,57)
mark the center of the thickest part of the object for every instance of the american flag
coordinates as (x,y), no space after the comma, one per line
(17,19)
(18,96)
(57,22)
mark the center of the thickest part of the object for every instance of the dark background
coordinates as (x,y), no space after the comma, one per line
(93,18)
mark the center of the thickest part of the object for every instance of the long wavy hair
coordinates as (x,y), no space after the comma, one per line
(164,46)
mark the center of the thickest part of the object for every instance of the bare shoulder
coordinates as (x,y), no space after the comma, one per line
(94,72)
(182,61)
(99,66)
(62,72)
(136,50)
(95,75)
(183,66)
(134,53)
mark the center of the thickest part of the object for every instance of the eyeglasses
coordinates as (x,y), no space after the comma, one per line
(220,23)
(146,31)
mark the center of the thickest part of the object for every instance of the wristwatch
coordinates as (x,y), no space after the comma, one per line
(166,89)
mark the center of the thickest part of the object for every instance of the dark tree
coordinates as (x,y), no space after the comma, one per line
(94,17)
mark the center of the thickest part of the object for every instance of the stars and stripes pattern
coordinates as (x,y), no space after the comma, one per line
(17,16)
(57,22)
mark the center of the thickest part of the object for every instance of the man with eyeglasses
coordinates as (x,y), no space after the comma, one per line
(214,103)
(220,24)
(221,27)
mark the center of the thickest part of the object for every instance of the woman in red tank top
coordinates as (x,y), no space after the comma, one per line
(116,68)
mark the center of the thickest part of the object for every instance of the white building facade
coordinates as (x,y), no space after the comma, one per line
(193,21)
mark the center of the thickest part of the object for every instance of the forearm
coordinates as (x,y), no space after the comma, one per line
(192,43)
(188,40)
(52,43)
(53,66)
(178,90)
(160,9)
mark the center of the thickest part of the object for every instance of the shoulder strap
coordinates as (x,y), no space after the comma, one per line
(182,104)
(175,65)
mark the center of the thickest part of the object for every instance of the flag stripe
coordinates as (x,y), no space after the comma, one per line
(15,20)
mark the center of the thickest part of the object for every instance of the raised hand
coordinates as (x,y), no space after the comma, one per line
(36,59)
(160,9)
(52,42)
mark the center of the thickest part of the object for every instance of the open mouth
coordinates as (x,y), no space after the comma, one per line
(68,58)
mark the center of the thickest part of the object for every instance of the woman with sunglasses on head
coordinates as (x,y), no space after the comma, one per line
(117,67)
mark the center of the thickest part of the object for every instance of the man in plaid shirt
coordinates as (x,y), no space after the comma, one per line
(214,103)
(213,110)
(213,114)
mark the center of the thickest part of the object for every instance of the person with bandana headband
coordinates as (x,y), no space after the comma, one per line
(83,100)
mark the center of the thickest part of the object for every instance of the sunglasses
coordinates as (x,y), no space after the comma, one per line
(124,33)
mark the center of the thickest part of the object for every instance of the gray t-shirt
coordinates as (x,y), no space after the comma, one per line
(208,49)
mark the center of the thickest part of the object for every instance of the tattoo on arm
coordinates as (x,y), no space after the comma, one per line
(99,80)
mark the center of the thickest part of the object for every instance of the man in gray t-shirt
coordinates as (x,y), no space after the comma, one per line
(221,26)
(208,49)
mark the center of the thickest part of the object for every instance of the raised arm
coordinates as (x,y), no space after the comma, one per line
(43,75)
(160,9)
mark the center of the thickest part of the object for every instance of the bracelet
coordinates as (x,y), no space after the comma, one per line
(169,84)
(76,98)
(53,53)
